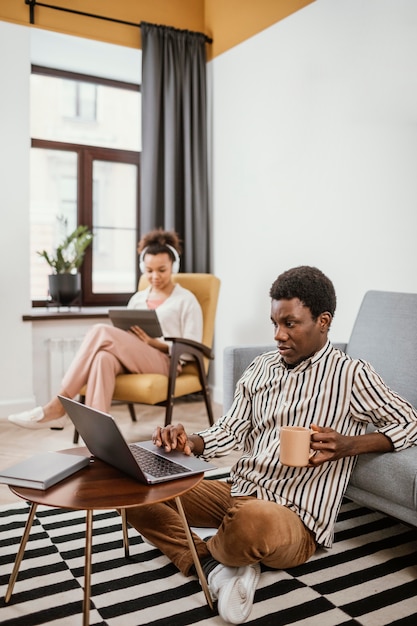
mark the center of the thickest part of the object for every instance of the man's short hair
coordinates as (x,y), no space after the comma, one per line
(309,285)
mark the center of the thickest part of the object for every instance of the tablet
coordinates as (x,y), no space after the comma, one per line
(147,319)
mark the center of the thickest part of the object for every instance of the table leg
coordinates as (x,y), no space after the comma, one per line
(87,566)
(199,569)
(124,530)
(19,555)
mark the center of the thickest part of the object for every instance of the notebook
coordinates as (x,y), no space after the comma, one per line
(147,319)
(141,460)
(43,470)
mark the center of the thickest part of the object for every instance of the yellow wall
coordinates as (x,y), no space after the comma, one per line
(227,22)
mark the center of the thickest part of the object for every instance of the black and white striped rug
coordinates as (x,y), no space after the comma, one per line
(369,577)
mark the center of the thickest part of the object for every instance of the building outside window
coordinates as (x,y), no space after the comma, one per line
(85,156)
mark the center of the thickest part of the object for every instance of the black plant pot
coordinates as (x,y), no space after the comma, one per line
(64,288)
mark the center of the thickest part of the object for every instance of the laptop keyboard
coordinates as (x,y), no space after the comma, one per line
(156,465)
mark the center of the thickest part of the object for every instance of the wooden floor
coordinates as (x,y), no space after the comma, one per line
(19,443)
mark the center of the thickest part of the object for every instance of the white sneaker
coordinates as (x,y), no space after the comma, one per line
(234,587)
(218,577)
(31,419)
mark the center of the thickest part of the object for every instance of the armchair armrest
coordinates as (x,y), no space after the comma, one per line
(181,345)
(198,351)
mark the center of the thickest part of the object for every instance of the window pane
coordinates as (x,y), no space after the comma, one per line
(114,226)
(84,113)
(53,193)
(79,100)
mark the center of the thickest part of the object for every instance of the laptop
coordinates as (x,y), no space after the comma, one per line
(141,460)
(147,319)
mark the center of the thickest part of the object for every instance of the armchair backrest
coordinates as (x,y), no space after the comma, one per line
(385,335)
(206,289)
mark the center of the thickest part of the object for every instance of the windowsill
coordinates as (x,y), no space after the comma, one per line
(45,314)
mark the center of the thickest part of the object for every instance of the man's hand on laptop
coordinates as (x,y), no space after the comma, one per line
(174,437)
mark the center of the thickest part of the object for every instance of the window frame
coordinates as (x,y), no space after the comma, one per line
(86,155)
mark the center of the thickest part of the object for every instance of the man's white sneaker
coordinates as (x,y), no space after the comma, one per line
(218,577)
(235,589)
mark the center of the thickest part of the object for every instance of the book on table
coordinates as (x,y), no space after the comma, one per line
(43,470)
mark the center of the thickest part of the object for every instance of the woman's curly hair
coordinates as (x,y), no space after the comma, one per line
(158,240)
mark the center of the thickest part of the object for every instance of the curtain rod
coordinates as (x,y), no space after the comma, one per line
(33,3)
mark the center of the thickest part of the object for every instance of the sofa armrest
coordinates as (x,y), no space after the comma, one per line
(388,483)
(235,360)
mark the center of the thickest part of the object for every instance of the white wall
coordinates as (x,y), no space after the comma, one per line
(23,362)
(314,161)
(15,336)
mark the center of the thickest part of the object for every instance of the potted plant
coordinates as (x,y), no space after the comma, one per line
(65,281)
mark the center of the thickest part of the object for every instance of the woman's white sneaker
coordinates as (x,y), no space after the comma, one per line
(31,419)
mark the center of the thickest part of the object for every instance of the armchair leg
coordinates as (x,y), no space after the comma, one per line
(207,400)
(176,352)
(168,412)
(205,389)
(132,412)
(76,433)
(206,395)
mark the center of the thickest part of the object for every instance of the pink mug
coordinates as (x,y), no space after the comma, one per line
(295,446)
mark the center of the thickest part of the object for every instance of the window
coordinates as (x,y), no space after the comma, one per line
(85,159)
(79,100)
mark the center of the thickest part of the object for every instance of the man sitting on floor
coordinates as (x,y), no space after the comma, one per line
(269,513)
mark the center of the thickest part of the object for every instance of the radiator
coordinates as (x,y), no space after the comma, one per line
(61,351)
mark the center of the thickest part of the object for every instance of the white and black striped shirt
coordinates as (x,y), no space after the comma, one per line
(329,389)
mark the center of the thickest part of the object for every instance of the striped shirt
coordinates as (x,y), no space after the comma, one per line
(329,389)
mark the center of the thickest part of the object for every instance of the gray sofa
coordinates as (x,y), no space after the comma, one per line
(385,334)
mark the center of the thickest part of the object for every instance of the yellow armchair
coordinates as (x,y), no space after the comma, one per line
(157,389)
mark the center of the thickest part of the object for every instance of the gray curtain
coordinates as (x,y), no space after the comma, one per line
(174,186)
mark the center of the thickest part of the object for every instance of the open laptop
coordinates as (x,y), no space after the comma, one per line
(142,460)
(147,319)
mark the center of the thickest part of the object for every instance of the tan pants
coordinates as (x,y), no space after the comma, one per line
(249,530)
(105,352)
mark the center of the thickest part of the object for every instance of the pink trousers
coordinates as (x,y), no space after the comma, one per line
(105,352)
(249,530)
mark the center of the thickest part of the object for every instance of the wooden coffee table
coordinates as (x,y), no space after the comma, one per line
(101,486)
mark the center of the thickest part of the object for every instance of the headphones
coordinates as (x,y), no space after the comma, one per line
(175,264)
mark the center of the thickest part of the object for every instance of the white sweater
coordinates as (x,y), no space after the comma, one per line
(180,314)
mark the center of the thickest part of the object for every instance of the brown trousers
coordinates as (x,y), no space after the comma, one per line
(249,530)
